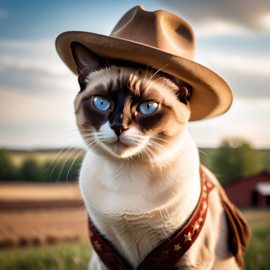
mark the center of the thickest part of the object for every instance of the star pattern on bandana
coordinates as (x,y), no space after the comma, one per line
(187,237)
(164,255)
(97,245)
(177,247)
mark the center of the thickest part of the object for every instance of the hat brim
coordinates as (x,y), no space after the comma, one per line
(211,95)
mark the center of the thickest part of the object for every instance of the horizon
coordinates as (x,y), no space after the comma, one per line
(37,89)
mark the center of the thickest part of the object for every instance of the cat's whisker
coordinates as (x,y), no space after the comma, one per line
(156,161)
(156,73)
(80,152)
(59,152)
(167,212)
(55,164)
(145,74)
(156,145)
(160,78)
(155,158)
(153,137)
(63,166)
(161,214)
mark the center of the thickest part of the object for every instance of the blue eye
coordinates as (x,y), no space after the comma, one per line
(147,107)
(102,103)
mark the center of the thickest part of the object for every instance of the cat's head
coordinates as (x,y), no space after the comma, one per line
(129,111)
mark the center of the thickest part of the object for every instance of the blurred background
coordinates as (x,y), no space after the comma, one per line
(43,224)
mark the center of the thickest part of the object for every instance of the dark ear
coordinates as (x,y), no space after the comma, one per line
(185,89)
(86,61)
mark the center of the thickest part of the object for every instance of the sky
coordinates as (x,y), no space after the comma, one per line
(37,89)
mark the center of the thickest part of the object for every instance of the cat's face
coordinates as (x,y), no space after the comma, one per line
(127,112)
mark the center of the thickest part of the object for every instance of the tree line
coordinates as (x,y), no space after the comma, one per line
(31,170)
(233,159)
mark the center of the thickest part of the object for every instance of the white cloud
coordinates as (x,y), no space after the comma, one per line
(39,47)
(18,107)
(50,67)
(265,21)
(38,55)
(250,65)
(241,17)
(217,27)
(247,118)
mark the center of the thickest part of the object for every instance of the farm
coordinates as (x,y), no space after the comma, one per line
(75,255)
(44,226)
(44,222)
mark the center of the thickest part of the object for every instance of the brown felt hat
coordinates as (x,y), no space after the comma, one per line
(160,40)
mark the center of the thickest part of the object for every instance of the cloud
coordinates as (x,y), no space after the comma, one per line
(223,17)
(17,107)
(255,66)
(35,56)
(247,118)
(50,67)
(40,48)
(246,71)
(34,67)
(217,27)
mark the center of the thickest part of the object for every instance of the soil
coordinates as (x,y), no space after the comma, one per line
(41,213)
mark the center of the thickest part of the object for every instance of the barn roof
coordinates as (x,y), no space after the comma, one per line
(263,188)
(244,179)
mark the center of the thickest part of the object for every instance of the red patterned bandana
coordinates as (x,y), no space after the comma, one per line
(167,254)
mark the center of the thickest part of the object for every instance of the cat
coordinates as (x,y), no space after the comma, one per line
(140,177)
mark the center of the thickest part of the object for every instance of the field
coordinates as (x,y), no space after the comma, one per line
(68,256)
(75,255)
(257,256)
(41,213)
(46,228)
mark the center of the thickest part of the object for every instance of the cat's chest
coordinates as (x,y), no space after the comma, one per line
(117,188)
(132,236)
(135,208)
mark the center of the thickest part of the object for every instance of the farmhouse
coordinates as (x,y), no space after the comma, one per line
(253,191)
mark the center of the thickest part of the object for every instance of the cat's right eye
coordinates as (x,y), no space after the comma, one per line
(102,103)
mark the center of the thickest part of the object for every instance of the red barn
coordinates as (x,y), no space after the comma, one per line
(253,191)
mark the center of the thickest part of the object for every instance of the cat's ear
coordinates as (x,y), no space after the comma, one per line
(185,89)
(86,61)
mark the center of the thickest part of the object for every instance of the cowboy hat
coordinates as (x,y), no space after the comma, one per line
(160,40)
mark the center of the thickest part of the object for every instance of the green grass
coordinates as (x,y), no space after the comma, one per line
(75,256)
(258,253)
(68,256)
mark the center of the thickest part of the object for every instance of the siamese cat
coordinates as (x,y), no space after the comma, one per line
(140,177)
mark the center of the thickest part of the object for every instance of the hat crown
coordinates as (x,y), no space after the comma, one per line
(160,29)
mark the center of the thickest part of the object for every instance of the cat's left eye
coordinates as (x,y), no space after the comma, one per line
(102,103)
(147,107)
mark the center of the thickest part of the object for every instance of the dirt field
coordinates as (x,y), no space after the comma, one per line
(41,213)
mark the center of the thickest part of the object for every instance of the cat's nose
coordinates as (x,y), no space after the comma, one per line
(118,129)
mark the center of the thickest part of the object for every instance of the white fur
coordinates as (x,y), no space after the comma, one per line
(136,206)
(130,141)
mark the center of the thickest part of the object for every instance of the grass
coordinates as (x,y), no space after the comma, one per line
(71,256)
(74,256)
(258,255)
